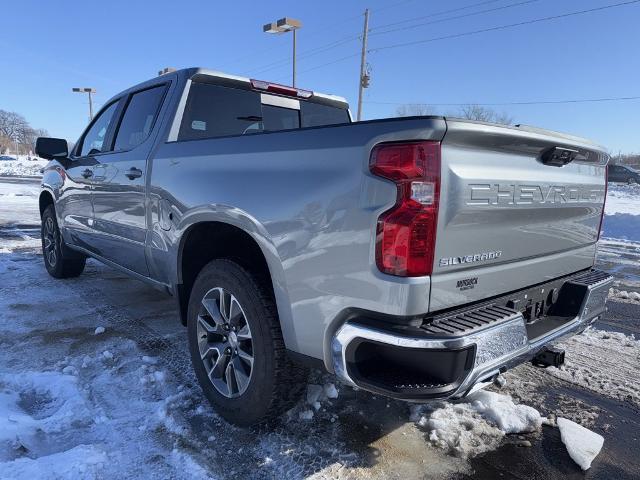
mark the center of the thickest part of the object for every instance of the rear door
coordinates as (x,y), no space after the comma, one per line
(120,223)
(509,215)
(74,207)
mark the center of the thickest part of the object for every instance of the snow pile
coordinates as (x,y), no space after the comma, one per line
(582,444)
(23,166)
(624,295)
(316,394)
(476,425)
(502,411)
(39,402)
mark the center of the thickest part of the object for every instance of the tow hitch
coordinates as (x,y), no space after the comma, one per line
(549,357)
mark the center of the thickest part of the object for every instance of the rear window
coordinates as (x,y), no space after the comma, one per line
(317,115)
(215,111)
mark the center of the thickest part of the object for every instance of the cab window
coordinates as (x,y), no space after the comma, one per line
(93,140)
(139,118)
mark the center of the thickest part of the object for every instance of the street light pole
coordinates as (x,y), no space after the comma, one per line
(285,25)
(88,91)
(293,77)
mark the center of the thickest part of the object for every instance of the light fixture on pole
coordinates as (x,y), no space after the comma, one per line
(286,25)
(88,91)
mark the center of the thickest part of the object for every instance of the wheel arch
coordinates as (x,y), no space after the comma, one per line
(45,199)
(247,243)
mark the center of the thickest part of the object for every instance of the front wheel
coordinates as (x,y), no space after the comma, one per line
(59,260)
(236,345)
(631,181)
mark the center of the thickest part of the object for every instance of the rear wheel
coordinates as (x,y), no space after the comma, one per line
(59,260)
(236,346)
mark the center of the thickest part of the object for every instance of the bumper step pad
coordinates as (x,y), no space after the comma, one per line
(457,324)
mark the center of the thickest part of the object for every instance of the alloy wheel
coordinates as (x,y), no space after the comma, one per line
(50,242)
(224,342)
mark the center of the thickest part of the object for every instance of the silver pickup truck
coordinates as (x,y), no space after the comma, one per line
(416,258)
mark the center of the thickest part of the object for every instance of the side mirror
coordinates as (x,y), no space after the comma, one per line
(51,148)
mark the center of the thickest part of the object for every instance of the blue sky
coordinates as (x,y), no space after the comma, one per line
(48,47)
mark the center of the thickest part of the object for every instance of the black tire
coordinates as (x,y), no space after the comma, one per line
(275,383)
(631,181)
(59,260)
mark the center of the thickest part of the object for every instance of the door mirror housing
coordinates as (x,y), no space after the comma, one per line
(52,148)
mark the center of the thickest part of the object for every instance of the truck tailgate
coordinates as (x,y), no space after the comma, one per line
(507,219)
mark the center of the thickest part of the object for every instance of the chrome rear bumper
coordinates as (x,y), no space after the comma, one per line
(494,336)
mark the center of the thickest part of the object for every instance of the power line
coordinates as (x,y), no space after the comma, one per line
(436,14)
(475,32)
(323,48)
(341,59)
(502,104)
(503,27)
(386,7)
(309,53)
(495,9)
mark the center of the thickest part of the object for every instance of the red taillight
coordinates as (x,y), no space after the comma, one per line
(406,234)
(604,202)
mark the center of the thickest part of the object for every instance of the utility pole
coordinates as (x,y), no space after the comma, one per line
(89,91)
(364,78)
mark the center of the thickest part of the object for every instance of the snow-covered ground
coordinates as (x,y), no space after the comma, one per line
(622,213)
(95,382)
(23,166)
(623,199)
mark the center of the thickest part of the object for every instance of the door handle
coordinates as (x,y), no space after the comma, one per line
(87,173)
(133,172)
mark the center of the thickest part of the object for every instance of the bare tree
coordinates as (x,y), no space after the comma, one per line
(16,133)
(503,117)
(414,110)
(485,114)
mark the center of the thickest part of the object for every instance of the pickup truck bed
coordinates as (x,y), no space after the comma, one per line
(415,257)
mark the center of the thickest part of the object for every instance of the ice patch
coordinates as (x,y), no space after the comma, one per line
(107,355)
(98,331)
(149,360)
(314,393)
(306,415)
(318,393)
(330,391)
(582,444)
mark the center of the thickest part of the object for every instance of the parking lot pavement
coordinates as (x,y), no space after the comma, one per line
(124,402)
